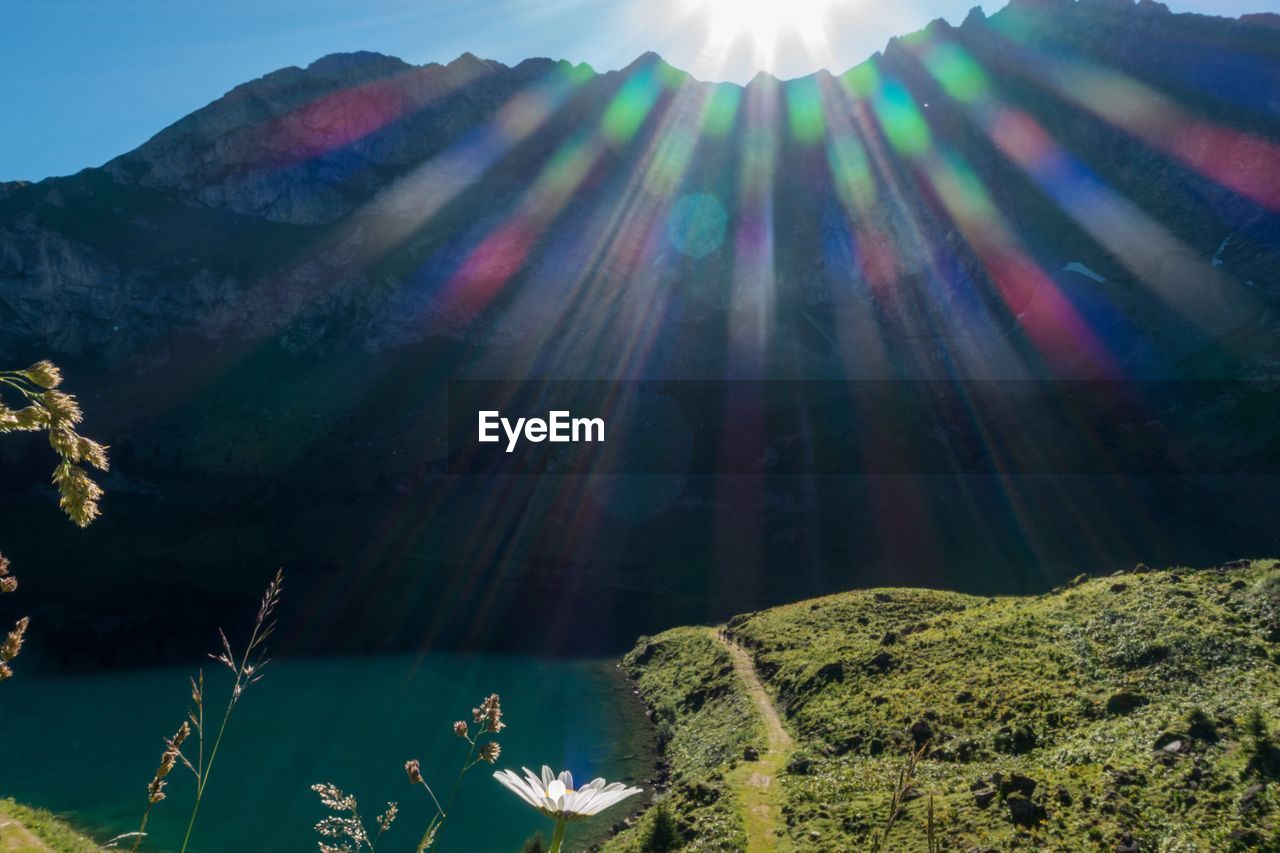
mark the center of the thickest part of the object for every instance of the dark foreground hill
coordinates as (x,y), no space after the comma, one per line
(1135,712)
(262,306)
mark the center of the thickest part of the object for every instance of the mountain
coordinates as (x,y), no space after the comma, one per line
(262,307)
(328,207)
(1116,713)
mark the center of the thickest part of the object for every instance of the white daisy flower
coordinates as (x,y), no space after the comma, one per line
(556,797)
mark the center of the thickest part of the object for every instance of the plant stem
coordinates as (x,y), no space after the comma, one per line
(433,798)
(444,813)
(557,839)
(142,828)
(213,754)
(242,673)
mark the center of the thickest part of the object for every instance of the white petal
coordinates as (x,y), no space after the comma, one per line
(517,786)
(547,776)
(535,783)
(556,790)
(567,778)
(607,799)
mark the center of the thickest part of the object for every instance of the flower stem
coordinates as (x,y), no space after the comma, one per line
(558,838)
(433,798)
(444,813)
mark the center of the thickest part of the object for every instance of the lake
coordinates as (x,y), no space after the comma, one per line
(85,746)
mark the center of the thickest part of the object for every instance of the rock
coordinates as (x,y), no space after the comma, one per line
(1251,801)
(702,793)
(750,753)
(1173,747)
(799,765)
(881,663)
(1016,783)
(1078,580)
(921,732)
(830,672)
(1015,740)
(1164,739)
(1125,702)
(1127,844)
(1125,778)
(1250,838)
(984,797)
(1202,727)
(1025,812)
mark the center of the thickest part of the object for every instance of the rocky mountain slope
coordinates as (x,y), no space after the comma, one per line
(331,206)
(1138,711)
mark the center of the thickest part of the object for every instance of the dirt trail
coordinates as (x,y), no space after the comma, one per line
(754,780)
(16,838)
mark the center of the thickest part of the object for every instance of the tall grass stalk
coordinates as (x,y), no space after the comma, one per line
(898,798)
(247,669)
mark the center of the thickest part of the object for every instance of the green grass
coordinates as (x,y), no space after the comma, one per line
(705,720)
(27,830)
(1074,690)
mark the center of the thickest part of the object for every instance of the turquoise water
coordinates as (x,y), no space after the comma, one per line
(86,746)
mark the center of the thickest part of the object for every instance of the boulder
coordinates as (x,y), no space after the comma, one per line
(1125,702)
(1024,811)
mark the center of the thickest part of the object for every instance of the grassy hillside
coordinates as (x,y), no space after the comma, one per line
(27,830)
(1133,712)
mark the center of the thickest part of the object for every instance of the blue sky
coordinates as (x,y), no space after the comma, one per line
(85,80)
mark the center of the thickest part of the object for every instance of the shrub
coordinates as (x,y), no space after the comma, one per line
(1264,755)
(660,834)
(1201,726)
(1264,603)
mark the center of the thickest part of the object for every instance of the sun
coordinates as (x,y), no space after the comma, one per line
(763,24)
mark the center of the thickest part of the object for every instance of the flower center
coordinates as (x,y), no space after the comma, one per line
(557,789)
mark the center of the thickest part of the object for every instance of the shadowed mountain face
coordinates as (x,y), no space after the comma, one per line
(262,305)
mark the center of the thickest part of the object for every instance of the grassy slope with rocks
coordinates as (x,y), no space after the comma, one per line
(704,720)
(1132,712)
